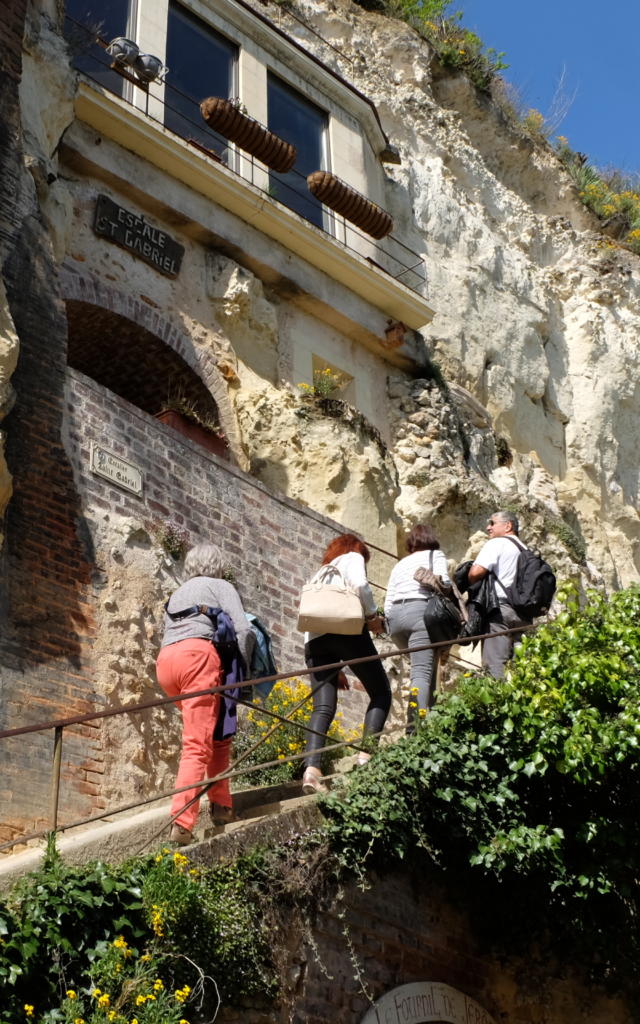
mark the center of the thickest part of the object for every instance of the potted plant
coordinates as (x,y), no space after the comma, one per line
(351,204)
(183,415)
(228,119)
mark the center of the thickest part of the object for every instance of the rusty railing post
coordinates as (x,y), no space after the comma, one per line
(55,775)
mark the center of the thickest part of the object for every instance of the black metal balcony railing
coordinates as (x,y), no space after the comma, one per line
(181,115)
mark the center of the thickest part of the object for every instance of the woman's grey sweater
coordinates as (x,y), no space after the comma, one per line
(217,594)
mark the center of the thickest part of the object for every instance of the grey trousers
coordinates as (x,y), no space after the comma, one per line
(497,652)
(407,628)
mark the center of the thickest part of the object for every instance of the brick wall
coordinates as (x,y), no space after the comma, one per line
(54,586)
(46,594)
(272,543)
(11,31)
(403,929)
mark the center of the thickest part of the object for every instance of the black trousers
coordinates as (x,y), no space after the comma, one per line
(324,650)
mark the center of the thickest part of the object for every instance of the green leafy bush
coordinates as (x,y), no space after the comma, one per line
(52,922)
(529,783)
(155,940)
(612,196)
(455,45)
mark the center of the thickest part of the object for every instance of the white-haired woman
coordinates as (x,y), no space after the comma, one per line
(188,661)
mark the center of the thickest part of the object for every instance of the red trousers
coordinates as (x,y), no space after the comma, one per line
(192,665)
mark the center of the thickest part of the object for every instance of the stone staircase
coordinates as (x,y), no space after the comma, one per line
(267,812)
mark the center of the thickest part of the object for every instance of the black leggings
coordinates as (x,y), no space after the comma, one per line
(330,647)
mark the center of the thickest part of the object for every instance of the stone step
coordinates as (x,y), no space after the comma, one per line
(129,834)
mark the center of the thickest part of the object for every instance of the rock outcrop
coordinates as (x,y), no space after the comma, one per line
(537,313)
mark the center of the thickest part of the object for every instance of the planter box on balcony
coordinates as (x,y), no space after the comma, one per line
(226,119)
(352,205)
(194,432)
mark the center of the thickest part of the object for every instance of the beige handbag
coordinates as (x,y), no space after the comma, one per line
(329,605)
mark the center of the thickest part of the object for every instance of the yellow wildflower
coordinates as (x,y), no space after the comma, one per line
(422,713)
(71,994)
(182,994)
(28,1009)
(120,942)
(158,985)
(104,999)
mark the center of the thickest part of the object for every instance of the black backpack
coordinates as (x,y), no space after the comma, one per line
(534,585)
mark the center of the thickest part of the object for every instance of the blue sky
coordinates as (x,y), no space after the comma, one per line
(596,43)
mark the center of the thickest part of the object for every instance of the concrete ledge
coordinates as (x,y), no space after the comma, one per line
(135,834)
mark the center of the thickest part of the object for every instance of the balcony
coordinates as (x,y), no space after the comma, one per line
(387,273)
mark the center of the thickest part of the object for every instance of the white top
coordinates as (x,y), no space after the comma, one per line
(353,568)
(402,586)
(500,556)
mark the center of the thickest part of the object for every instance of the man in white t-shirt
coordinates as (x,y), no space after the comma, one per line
(499,556)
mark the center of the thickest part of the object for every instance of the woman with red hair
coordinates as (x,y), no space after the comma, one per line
(348,553)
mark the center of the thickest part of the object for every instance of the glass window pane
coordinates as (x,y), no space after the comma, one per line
(86,19)
(201,63)
(297,120)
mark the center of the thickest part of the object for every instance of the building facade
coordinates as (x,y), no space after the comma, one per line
(175,272)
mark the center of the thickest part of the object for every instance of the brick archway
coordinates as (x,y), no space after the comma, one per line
(91,290)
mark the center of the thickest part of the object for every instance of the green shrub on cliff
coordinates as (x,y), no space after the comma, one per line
(456,46)
(529,785)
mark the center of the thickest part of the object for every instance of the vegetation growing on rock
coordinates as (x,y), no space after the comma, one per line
(525,790)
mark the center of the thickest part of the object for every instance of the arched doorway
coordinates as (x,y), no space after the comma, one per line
(137,365)
(426,1002)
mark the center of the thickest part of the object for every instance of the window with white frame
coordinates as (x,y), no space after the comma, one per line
(201,63)
(297,120)
(105,19)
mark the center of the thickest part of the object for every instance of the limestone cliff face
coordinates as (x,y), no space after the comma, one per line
(537,314)
(536,322)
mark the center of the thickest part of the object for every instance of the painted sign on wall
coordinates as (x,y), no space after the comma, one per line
(426,1002)
(132,232)
(117,470)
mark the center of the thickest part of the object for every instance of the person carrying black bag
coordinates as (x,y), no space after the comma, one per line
(498,560)
(417,615)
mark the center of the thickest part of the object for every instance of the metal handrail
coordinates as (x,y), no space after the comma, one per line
(60,724)
(416,266)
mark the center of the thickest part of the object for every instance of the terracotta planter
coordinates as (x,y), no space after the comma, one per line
(194,432)
(250,135)
(352,205)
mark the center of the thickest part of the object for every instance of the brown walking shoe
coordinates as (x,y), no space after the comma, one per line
(181,836)
(220,814)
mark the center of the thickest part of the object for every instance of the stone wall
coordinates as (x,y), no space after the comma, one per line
(89,578)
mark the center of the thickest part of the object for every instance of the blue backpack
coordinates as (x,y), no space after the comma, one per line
(262,660)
